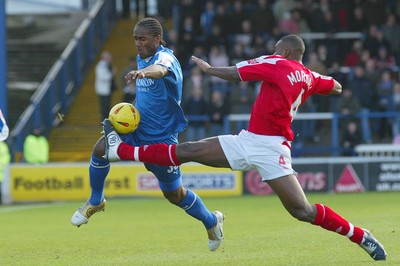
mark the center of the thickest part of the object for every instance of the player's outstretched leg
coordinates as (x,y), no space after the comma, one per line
(82,215)
(330,220)
(372,246)
(216,234)
(112,141)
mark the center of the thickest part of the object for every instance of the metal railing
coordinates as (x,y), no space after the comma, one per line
(334,149)
(61,85)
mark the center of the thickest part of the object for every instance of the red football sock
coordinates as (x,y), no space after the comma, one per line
(330,220)
(162,154)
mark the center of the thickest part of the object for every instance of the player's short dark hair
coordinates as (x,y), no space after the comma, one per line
(153,26)
(295,42)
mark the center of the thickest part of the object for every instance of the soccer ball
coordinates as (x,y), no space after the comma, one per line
(124,117)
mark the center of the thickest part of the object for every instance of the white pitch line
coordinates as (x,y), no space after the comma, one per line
(24,207)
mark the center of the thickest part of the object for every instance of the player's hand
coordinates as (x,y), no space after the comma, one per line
(203,65)
(133,75)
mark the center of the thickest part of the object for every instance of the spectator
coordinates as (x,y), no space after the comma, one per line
(365,92)
(245,35)
(217,38)
(396,102)
(385,60)
(131,66)
(350,138)
(195,108)
(187,34)
(324,55)
(241,101)
(365,56)
(171,38)
(314,64)
(335,72)
(363,89)
(305,129)
(198,51)
(257,48)
(5,159)
(219,57)
(386,103)
(264,13)
(3,127)
(218,109)
(348,106)
(341,10)
(315,17)
(192,9)
(293,22)
(221,19)
(164,8)
(36,147)
(129,92)
(330,23)
(358,21)
(207,18)
(105,83)
(391,32)
(372,72)
(236,15)
(375,11)
(281,7)
(374,40)
(129,89)
(196,80)
(353,57)
(237,53)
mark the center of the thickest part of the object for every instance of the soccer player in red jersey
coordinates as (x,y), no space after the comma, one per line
(265,146)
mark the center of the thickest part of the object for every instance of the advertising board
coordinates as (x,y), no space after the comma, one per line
(52,182)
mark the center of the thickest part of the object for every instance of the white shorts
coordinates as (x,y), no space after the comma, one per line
(269,155)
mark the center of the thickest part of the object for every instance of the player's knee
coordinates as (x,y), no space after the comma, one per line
(174,197)
(187,150)
(99,148)
(303,213)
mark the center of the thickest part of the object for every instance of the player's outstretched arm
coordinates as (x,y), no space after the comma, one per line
(337,89)
(228,73)
(152,71)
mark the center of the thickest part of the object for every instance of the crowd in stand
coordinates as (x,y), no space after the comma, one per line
(225,32)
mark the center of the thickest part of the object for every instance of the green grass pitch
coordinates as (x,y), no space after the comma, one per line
(258,231)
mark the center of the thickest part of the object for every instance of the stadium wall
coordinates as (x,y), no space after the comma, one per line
(70,181)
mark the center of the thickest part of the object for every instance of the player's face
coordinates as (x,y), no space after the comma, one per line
(146,43)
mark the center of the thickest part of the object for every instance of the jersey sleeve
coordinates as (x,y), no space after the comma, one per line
(165,59)
(322,84)
(259,69)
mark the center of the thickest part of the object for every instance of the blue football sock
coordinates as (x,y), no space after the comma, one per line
(98,171)
(194,206)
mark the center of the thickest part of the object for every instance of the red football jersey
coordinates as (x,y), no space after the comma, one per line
(286,84)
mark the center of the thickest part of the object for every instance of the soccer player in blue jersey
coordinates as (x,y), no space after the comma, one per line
(158,96)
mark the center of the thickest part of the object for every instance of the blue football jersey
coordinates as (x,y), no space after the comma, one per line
(158,100)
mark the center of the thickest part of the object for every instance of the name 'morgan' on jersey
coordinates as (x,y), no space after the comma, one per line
(285,85)
(300,76)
